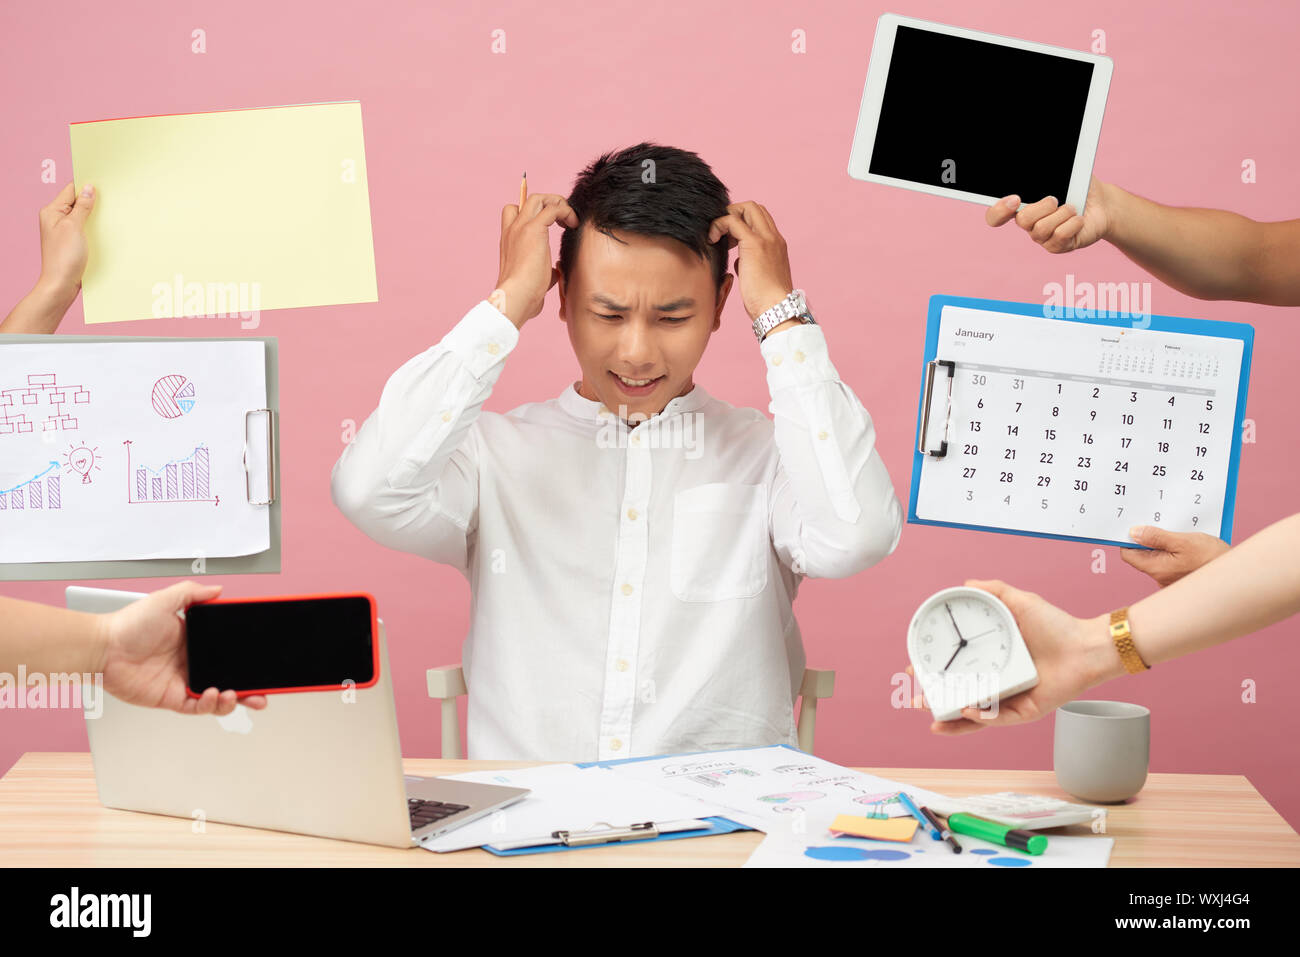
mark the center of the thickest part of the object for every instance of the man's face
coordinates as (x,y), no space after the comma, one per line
(643,309)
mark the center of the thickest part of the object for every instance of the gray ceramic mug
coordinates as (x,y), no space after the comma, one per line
(1101,749)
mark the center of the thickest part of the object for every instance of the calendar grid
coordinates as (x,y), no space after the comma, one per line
(1079,428)
(1075,377)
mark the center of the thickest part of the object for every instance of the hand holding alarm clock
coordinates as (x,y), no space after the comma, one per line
(967,651)
(1068,654)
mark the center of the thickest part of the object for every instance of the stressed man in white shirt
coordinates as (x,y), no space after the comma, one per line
(634,545)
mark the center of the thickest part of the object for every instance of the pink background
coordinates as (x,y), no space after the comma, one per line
(449,126)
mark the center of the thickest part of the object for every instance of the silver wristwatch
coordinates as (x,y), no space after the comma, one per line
(793,306)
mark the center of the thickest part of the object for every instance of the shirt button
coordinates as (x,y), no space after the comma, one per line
(632,513)
(446,417)
(621,664)
(616,745)
(822,434)
(776,360)
(798,357)
(627,589)
(493,348)
(636,437)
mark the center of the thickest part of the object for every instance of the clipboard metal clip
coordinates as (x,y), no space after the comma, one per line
(927,400)
(270,457)
(603,833)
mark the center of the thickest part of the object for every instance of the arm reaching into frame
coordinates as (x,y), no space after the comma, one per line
(63,262)
(1251,586)
(1205,253)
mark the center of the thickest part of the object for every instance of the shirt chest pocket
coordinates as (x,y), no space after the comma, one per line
(720,542)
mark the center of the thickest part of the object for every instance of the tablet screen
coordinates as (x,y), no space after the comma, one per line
(996,119)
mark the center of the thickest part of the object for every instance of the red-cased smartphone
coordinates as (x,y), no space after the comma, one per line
(282,643)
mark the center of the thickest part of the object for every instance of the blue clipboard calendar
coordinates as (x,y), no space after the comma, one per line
(1077,427)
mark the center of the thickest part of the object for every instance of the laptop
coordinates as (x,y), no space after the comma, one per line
(311,763)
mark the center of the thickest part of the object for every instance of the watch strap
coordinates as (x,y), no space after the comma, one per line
(793,306)
(1122,635)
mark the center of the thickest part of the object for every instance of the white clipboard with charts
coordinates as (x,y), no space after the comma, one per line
(136,457)
(1078,425)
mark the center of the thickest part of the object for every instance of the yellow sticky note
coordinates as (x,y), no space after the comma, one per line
(891,829)
(226,213)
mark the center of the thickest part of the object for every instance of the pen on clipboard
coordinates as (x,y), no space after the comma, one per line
(604,834)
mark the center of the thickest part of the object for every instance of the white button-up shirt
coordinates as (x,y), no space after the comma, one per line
(631,586)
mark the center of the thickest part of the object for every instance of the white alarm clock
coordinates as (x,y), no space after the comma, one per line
(966,652)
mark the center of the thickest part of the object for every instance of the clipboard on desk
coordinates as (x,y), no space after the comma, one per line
(1055,422)
(603,833)
(134,457)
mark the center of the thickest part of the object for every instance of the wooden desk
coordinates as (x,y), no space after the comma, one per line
(50,816)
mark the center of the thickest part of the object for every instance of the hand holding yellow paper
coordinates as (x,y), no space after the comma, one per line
(892,829)
(226,213)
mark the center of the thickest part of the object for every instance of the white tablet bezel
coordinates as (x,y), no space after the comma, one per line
(882,51)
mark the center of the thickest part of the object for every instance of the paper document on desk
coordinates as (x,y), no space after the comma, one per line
(567,797)
(810,850)
(774,788)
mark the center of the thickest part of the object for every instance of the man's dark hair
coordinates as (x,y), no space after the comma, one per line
(677,197)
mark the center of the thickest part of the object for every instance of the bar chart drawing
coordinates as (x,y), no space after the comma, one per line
(187,479)
(41,491)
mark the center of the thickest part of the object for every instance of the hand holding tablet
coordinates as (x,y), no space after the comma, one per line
(930,90)
(1058,229)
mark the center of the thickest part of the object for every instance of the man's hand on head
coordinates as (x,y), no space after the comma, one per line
(766,279)
(526,275)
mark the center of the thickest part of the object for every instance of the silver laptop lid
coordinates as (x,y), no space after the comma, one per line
(326,763)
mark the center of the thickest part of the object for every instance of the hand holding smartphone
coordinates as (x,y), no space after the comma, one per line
(282,644)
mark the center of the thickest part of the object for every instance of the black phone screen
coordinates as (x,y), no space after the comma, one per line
(281,643)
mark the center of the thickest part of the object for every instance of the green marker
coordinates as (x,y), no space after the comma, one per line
(980,827)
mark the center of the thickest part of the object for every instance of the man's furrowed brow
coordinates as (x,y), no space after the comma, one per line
(685,302)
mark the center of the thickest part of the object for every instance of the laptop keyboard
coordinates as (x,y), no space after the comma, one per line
(430,812)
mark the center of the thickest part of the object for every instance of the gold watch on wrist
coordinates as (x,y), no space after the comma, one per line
(1123,638)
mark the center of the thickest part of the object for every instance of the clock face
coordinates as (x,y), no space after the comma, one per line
(962,634)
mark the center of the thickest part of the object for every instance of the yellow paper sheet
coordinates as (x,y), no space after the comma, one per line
(892,829)
(226,213)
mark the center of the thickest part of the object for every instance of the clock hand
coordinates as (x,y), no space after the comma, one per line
(948,609)
(982,634)
(961,642)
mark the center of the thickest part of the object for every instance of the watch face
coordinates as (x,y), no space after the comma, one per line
(962,634)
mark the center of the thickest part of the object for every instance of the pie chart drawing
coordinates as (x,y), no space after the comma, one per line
(173,396)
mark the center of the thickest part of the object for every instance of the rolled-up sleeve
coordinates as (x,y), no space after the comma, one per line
(409,478)
(833,508)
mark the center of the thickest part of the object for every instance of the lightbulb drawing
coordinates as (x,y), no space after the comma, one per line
(82,459)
